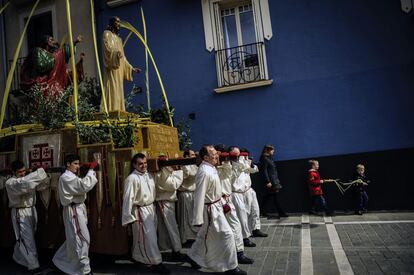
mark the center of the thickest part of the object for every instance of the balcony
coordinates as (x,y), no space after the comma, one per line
(15,85)
(241,67)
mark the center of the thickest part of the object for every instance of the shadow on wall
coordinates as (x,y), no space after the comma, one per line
(391,173)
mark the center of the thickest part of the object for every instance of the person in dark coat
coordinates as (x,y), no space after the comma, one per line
(271,179)
(361,182)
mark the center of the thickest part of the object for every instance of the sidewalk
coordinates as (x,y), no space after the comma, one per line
(375,243)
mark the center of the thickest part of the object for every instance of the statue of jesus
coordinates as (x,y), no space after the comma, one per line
(117,68)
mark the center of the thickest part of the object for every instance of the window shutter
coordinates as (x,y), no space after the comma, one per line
(208,20)
(218,41)
(257,20)
(262,20)
(218,31)
(406,5)
(267,24)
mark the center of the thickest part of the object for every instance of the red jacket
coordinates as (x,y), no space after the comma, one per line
(314,181)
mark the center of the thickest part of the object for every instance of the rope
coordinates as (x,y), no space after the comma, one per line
(347,184)
(19,226)
(77,224)
(142,235)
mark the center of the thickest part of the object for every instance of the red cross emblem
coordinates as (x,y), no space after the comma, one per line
(41,156)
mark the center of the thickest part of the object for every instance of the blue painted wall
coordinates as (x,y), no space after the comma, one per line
(343,76)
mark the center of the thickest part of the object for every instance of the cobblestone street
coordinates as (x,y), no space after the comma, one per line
(375,243)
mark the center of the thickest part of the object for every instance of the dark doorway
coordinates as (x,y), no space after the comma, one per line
(40,25)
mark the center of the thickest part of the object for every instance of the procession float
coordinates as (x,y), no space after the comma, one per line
(61,112)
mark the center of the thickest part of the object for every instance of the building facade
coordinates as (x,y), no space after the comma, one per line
(315,78)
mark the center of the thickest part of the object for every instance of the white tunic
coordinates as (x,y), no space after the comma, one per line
(252,205)
(72,257)
(189,173)
(248,169)
(226,174)
(214,247)
(185,204)
(139,211)
(167,183)
(22,199)
(240,184)
(253,209)
(21,191)
(241,180)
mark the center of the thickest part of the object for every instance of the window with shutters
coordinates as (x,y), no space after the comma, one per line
(236,32)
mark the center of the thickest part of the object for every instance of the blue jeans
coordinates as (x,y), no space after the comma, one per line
(319,203)
(363,201)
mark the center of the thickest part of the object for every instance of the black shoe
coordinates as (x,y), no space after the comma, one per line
(358,212)
(160,269)
(136,262)
(243,259)
(283,215)
(330,213)
(236,271)
(36,271)
(248,243)
(193,264)
(258,233)
(177,256)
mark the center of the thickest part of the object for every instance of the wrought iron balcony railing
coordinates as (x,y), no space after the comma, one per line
(15,86)
(240,65)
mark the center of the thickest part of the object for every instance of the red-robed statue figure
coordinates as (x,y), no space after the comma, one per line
(46,66)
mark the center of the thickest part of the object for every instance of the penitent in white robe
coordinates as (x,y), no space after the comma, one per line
(72,256)
(225,174)
(240,184)
(252,205)
(22,199)
(138,210)
(214,247)
(185,204)
(167,182)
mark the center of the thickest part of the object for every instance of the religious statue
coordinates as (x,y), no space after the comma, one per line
(46,66)
(117,68)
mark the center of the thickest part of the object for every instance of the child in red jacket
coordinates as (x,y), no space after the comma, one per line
(315,187)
